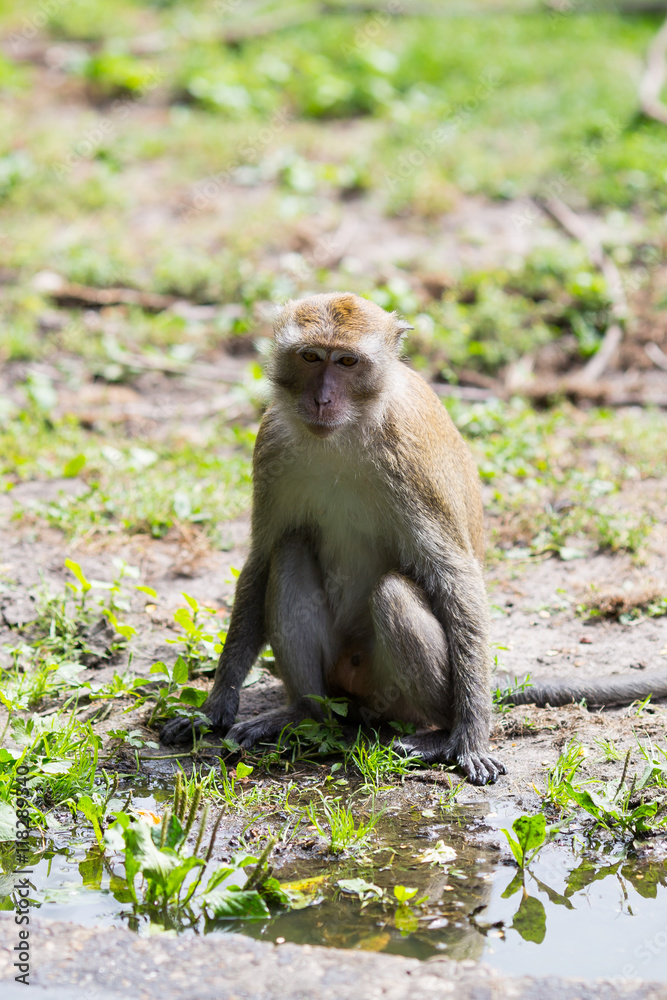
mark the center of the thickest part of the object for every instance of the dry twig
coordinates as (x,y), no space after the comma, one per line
(653,79)
(577,228)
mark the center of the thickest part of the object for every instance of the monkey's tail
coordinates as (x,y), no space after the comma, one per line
(596,692)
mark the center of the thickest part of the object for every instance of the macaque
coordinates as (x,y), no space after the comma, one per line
(365,566)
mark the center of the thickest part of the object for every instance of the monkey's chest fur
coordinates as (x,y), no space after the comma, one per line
(345,519)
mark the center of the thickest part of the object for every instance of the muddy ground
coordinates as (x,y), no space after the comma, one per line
(536,629)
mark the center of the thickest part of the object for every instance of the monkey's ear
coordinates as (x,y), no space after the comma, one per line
(401,327)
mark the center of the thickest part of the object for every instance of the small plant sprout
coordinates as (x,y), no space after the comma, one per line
(608,750)
(502,697)
(569,762)
(378,761)
(201,646)
(625,809)
(175,697)
(403,894)
(345,833)
(81,591)
(531,834)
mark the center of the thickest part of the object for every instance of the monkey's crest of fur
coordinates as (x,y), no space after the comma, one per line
(339,320)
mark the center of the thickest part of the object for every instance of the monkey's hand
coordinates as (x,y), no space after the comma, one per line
(220,716)
(439,747)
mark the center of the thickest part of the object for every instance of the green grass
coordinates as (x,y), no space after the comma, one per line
(129,485)
(538,117)
(336,821)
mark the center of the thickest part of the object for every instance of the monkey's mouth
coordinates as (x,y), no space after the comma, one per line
(321,428)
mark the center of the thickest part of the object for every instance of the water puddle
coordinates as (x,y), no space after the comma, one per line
(577,912)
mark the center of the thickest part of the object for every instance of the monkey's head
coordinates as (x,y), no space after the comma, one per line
(332,358)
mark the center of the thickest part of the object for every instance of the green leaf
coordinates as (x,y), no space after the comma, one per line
(403,894)
(217,877)
(159,668)
(235,904)
(530,831)
(7,822)
(339,707)
(56,766)
(359,887)
(146,590)
(194,604)
(243,770)
(406,920)
(91,869)
(514,886)
(192,696)
(180,671)
(76,570)
(175,834)
(530,920)
(515,847)
(183,618)
(176,877)
(142,854)
(74,466)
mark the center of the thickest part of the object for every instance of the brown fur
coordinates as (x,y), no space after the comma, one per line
(365,566)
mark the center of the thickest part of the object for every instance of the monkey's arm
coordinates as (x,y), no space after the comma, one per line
(244,642)
(460,604)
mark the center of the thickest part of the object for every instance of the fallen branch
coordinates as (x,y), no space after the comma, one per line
(653,79)
(657,355)
(578,229)
(66,293)
(467,392)
(144,363)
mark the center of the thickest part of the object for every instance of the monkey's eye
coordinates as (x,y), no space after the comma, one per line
(310,356)
(348,360)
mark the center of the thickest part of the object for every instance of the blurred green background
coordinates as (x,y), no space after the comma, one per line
(227,154)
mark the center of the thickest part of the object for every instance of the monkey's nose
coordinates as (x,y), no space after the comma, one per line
(321,402)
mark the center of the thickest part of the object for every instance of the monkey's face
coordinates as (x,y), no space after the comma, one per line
(329,387)
(332,360)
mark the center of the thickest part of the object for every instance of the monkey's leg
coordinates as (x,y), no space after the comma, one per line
(244,642)
(412,666)
(300,631)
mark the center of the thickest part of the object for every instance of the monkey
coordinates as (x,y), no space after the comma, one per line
(364,572)
(366,534)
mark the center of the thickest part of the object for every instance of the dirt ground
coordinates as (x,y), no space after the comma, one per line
(535,627)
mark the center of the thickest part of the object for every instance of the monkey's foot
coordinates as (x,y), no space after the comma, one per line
(437,747)
(269,725)
(182,730)
(220,714)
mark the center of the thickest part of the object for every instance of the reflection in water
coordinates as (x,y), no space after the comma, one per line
(573,914)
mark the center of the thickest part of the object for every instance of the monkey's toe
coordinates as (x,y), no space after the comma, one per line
(246,734)
(181,730)
(480,769)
